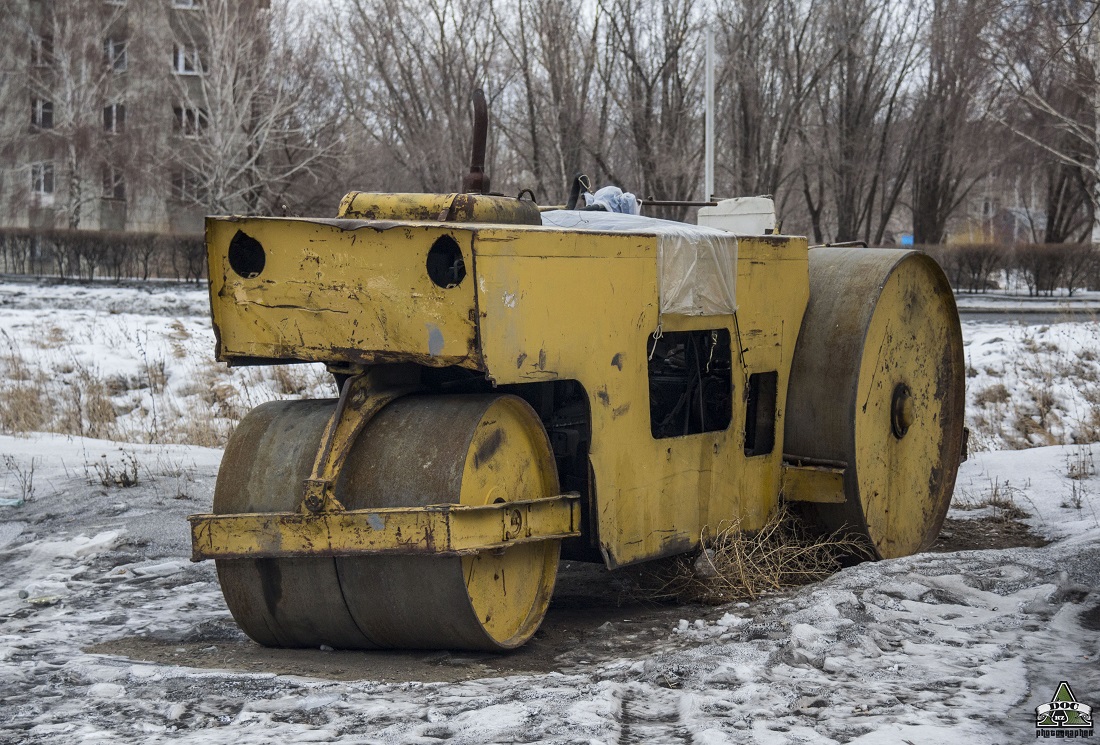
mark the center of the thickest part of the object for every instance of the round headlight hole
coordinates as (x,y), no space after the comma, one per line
(246,255)
(446,267)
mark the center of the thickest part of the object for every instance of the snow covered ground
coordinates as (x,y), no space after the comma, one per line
(130,363)
(109,634)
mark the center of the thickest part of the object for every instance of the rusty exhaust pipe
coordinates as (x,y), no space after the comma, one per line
(477,181)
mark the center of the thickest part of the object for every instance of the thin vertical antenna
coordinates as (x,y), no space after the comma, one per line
(708,177)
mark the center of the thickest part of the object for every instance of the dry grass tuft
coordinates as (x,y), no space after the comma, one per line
(1001,498)
(994,394)
(1041,388)
(156,374)
(204,431)
(51,382)
(24,401)
(25,408)
(86,407)
(289,381)
(1078,492)
(738,565)
(1080,466)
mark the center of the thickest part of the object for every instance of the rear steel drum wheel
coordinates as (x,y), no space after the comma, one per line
(418,450)
(877,382)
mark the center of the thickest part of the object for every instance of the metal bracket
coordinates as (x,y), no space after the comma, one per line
(435,530)
(813,480)
(363,396)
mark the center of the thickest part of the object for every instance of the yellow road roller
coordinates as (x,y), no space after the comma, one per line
(517,386)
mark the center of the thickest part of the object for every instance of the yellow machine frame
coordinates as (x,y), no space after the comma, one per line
(537,305)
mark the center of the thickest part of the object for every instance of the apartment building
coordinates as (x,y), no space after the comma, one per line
(105,109)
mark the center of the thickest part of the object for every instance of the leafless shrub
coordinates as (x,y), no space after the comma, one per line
(101,254)
(123,473)
(979,263)
(1077,494)
(1079,463)
(1044,268)
(971,267)
(24,476)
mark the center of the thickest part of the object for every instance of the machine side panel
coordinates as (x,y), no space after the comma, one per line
(340,291)
(772,293)
(584,306)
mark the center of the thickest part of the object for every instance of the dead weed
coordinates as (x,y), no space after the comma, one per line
(741,565)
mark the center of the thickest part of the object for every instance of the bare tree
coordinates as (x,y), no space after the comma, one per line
(406,82)
(1049,61)
(1053,195)
(771,64)
(546,110)
(249,79)
(950,116)
(854,151)
(1068,207)
(652,72)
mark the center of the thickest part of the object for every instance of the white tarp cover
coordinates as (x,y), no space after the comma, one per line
(696,266)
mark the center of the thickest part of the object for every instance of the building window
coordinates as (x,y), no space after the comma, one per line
(189,121)
(185,60)
(114,185)
(114,53)
(42,51)
(114,118)
(186,187)
(42,180)
(41,113)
